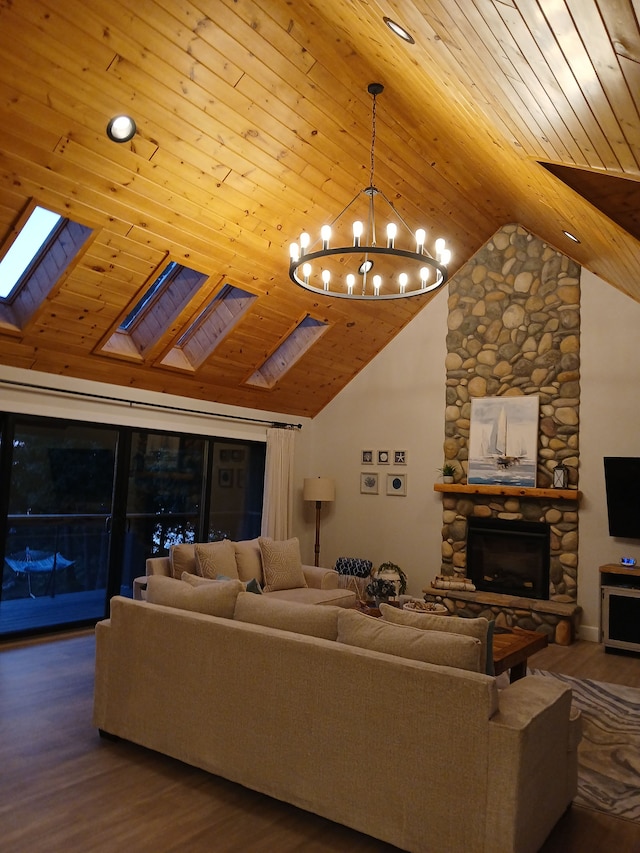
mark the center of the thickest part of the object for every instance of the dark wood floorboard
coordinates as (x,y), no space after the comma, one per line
(62,788)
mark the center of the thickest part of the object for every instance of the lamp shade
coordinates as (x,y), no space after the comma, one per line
(319,489)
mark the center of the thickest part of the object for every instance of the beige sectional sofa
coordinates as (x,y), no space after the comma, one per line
(389,729)
(274,564)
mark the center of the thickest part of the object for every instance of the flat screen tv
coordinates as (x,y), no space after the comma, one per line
(622,483)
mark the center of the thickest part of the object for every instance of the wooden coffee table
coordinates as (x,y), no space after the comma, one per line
(512,648)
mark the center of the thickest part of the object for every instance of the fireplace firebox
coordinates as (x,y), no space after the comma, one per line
(511,557)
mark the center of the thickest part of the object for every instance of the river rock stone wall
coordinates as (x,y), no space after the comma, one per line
(514,329)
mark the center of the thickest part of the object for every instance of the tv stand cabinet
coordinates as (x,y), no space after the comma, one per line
(620,607)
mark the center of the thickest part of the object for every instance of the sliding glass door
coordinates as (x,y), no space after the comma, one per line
(82,506)
(166,476)
(56,533)
(235,494)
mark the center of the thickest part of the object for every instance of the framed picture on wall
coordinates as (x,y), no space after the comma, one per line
(368,483)
(503,440)
(225,477)
(367,457)
(399,457)
(397,484)
(383,457)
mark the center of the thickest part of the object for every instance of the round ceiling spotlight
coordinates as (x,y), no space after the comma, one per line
(121,128)
(398,30)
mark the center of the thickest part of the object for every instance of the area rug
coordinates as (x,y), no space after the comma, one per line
(609,753)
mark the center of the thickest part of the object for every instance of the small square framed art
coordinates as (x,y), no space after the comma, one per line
(396,484)
(368,483)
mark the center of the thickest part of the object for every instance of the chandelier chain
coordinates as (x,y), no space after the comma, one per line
(373,138)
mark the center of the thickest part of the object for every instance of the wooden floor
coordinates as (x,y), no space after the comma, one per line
(63,789)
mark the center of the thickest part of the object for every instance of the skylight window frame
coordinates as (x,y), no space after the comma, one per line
(39,256)
(131,339)
(289,350)
(166,275)
(213,322)
(47,270)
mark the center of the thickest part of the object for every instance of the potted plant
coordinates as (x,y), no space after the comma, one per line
(448,471)
(380,589)
(394,574)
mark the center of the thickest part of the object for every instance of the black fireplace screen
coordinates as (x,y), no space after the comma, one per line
(509,557)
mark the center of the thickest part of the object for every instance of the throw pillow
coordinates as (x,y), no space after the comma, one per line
(354,566)
(253,586)
(478,627)
(308,619)
(182,559)
(248,560)
(281,564)
(216,558)
(215,598)
(366,632)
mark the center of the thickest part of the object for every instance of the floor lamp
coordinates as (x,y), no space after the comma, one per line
(318,489)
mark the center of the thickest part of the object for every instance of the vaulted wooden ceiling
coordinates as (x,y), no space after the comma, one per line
(254,123)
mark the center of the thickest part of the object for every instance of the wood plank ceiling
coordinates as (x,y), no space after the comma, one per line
(254,123)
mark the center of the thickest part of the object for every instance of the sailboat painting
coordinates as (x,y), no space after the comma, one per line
(503,441)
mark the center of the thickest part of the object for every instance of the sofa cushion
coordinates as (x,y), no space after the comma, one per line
(216,558)
(478,627)
(287,615)
(281,564)
(217,598)
(312,595)
(367,632)
(182,558)
(248,560)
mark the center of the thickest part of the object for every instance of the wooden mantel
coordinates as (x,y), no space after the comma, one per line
(509,491)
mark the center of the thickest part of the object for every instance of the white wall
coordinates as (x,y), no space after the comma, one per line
(395,403)
(609,426)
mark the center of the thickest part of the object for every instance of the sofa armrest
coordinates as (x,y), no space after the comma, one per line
(320,578)
(159,566)
(533,741)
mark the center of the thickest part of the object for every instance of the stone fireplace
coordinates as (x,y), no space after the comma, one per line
(514,329)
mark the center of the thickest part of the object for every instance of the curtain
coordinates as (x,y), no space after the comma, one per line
(277,506)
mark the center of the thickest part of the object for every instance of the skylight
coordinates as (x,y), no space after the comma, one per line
(166,297)
(168,274)
(26,247)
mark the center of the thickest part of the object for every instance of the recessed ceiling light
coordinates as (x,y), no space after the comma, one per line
(571,236)
(121,128)
(399,31)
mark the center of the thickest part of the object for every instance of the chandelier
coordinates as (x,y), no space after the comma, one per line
(361,268)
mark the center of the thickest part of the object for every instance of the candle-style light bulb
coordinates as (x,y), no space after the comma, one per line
(445,257)
(306,272)
(403,278)
(326,278)
(420,238)
(424,275)
(325,233)
(377,282)
(305,239)
(440,245)
(351,280)
(357,232)
(392,230)
(294,252)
